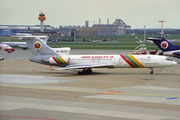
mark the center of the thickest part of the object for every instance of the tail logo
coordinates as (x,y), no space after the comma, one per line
(164,45)
(37,45)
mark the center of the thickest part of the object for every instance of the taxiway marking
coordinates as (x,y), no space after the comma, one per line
(110,92)
(74,90)
(13,59)
(26,117)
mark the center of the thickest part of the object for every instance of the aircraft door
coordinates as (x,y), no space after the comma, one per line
(120,61)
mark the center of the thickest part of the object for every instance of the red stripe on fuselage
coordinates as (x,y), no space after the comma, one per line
(125,59)
(55,60)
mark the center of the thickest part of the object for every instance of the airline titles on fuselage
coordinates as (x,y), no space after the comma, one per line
(97,57)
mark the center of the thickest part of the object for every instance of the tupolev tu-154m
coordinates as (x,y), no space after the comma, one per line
(44,54)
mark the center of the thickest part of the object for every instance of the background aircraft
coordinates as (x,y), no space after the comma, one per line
(24,44)
(62,51)
(144,41)
(168,49)
(43,54)
(6,47)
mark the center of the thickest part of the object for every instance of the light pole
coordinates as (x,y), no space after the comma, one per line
(162,32)
(74,34)
(144,32)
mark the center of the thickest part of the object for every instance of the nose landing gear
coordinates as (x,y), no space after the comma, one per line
(151,70)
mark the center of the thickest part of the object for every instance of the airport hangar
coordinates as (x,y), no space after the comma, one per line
(117,28)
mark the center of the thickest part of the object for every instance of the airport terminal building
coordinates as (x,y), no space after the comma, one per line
(6,30)
(115,29)
(10,30)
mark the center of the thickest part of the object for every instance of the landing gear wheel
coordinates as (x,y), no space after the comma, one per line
(79,73)
(151,72)
(86,72)
(83,72)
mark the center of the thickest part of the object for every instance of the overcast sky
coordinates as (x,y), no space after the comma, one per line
(135,13)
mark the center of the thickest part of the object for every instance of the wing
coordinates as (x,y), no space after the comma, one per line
(81,66)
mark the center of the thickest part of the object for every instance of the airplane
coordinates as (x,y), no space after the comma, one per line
(62,50)
(16,44)
(6,47)
(24,44)
(168,49)
(23,34)
(43,54)
(143,41)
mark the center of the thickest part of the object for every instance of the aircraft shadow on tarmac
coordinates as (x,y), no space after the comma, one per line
(74,73)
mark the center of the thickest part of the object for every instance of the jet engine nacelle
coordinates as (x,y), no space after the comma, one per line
(176,53)
(57,60)
(161,53)
(168,53)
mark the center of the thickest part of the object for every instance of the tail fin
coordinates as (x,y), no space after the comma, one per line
(163,44)
(38,47)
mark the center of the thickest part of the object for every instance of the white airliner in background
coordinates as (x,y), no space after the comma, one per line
(16,44)
(143,41)
(6,47)
(62,50)
(24,44)
(43,54)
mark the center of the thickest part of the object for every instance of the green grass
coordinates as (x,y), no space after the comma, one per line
(107,47)
(7,39)
(79,44)
(125,37)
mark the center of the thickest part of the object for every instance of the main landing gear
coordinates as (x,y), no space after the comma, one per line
(151,71)
(85,72)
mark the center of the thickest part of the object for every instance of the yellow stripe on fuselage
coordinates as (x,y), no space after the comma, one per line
(62,59)
(136,61)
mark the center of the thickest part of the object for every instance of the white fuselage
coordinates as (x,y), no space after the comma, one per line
(124,61)
(24,44)
(15,44)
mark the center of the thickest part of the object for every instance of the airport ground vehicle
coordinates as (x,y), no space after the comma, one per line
(1,57)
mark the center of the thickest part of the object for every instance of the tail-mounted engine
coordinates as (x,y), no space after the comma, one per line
(57,60)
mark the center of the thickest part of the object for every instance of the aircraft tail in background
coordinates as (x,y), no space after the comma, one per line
(167,47)
(164,44)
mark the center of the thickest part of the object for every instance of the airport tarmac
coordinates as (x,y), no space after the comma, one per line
(31,91)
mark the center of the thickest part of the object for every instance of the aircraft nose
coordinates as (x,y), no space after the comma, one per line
(174,63)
